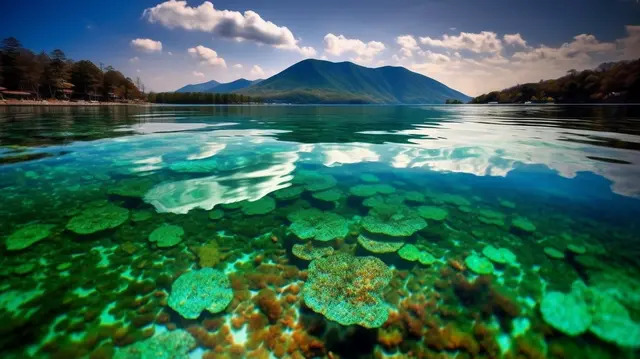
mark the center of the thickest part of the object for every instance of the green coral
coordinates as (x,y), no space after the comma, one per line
(433,213)
(523,224)
(175,344)
(216,214)
(262,206)
(368,190)
(288,193)
(412,253)
(98,218)
(198,290)
(378,200)
(313,181)
(131,187)
(348,289)
(499,255)
(167,235)
(378,246)
(369,178)
(553,253)
(315,224)
(309,252)
(478,264)
(330,195)
(395,221)
(28,235)
(195,166)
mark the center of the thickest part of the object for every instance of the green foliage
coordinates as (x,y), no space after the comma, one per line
(450,101)
(609,82)
(200,98)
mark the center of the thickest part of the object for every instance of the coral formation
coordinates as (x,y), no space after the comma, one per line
(315,224)
(376,246)
(27,236)
(98,218)
(310,252)
(479,264)
(197,290)
(499,255)
(395,221)
(170,345)
(166,235)
(262,206)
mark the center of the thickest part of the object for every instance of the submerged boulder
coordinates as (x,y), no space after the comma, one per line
(175,344)
(28,235)
(315,224)
(98,218)
(198,290)
(348,289)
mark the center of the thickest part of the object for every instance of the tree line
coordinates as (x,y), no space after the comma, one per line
(610,82)
(53,75)
(200,98)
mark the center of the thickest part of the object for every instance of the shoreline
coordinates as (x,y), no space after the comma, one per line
(68,103)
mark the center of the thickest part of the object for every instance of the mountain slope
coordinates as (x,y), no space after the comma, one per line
(232,86)
(198,87)
(317,81)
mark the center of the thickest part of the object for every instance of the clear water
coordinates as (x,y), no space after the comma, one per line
(82,189)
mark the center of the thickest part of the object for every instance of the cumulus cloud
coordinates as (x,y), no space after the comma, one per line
(408,45)
(630,45)
(483,42)
(579,49)
(515,40)
(249,26)
(134,59)
(146,45)
(207,56)
(197,74)
(237,66)
(364,52)
(257,71)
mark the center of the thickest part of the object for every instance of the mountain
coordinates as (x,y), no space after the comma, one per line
(610,82)
(317,81)
(217,87)
(203,87)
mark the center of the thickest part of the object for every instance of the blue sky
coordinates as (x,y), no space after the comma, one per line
(473,46)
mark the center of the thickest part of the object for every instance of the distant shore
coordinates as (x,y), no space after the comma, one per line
(69,103)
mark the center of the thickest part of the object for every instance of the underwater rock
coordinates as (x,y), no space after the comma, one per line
(368,190)
(379,246)
(288,193)
(523,224)
(394,221)
(208,254)
(175,344)
(611,322)
(167,235)
(553,253)
(315,224)
(499,255)
(262,206)
(98,218)
(478,264)
(330,195)
(198,290)
(216,214)
(411,253)
(131,187)
(308,252)
(576,248)
(433,213)
(567,313)
(348,289)
(28,235)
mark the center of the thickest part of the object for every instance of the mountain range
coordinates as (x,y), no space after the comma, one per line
(318,81)
(214,86)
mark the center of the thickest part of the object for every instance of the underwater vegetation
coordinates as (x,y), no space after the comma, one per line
(230,244)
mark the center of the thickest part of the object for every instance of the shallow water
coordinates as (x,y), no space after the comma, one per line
(239,189)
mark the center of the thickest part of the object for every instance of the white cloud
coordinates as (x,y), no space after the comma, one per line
(630,45)
(207,56)
(408,45)
(485,41)
(134,59)
(579,49)
(146,45)
(257,71)
(226,23)
(364,52)
(237,66)
(515,40)
(170,53)
(197,74)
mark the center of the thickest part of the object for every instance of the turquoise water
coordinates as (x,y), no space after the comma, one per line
(320,232)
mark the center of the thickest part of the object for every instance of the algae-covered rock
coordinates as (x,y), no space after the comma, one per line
(432,213)
(216,214)
(553,253)
(576,248)
(369,178)
(611,322)
(315,224)
(411,253)
(368,190)
(395,221)
(167,235)
(262,206)
(141,215)
(489,216)
(308,252)
(314,181)
(379,200)
(568,313)
(131,187)
(330,195)
(499,255)
(414,196)
(523,224)
(348,289)
(379,246)
(98,218)
(288,193)
(198,290)
(478,264)
(175,344)
(28,235)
